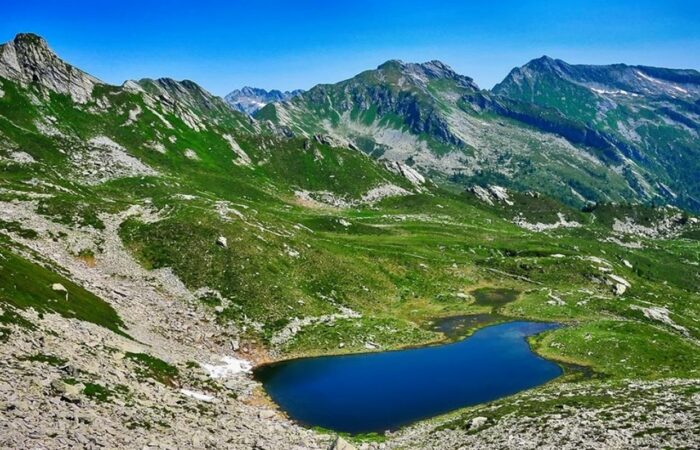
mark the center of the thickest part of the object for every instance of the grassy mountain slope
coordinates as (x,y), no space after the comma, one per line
(649,115)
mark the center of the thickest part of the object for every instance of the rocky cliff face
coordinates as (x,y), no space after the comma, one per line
(186,99)
(29,60)
(249,99)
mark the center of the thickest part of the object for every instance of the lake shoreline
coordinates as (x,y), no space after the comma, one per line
(291,383)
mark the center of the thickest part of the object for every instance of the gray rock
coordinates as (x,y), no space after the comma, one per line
(342,444)
(266,414)
(68,392)
(28,59)
(58,287)
(477,422)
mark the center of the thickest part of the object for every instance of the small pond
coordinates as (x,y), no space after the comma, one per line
(454,327)
(374,392)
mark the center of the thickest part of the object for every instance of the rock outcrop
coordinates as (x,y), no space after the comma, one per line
(29,60)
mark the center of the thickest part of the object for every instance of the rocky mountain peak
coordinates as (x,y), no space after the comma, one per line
(427,71)
(391,64)
(438,69)
(178,93)
(544,60)
(544,64)
(31,39)
(28,60)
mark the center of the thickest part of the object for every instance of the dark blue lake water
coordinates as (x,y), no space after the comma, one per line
(382,391)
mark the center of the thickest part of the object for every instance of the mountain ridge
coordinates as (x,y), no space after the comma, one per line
(431,108)
(250,99)
(429,115)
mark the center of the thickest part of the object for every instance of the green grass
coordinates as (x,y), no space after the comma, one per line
(16,227)
(24,284)
(97,392)
(48,359)
(354,334)
(154,368)
(622,348)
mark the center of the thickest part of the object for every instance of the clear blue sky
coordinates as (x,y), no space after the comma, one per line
(296,44)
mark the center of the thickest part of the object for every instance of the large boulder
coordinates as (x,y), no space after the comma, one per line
(342,444)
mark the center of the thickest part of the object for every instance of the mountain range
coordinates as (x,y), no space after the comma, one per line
(579,133)
(250,99)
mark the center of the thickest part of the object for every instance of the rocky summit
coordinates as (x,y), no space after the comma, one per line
(159,245)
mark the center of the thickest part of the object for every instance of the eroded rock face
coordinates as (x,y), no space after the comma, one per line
(491,194)
(406,171)
(28,59)
(104,160)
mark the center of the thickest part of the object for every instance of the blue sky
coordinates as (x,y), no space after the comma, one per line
(223,45)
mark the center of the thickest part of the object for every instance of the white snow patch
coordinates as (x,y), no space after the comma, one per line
(648,78)
(198,395)
(231,366)
(679,89)
(614,92)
